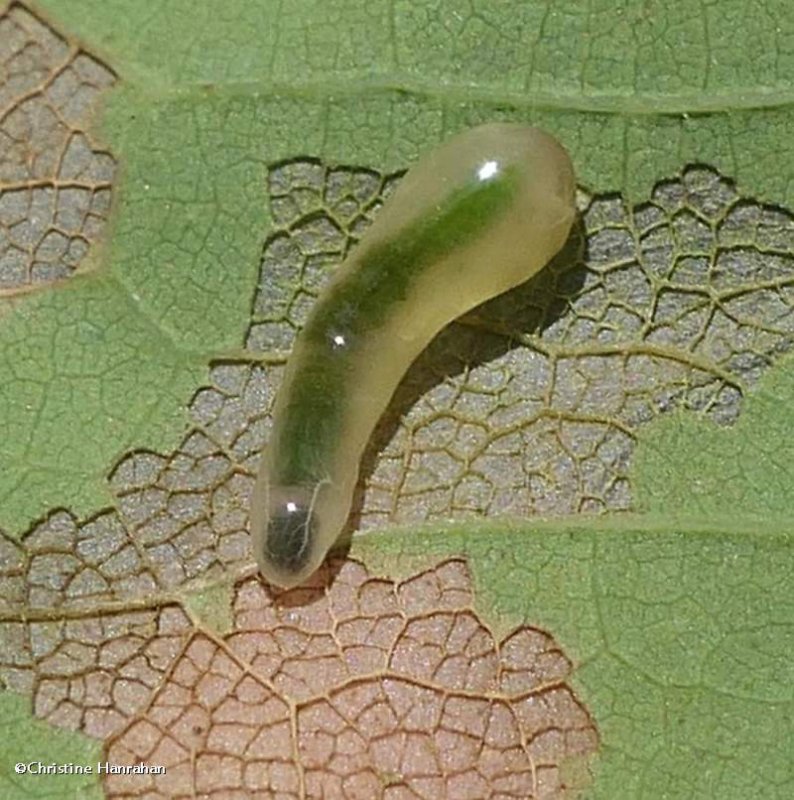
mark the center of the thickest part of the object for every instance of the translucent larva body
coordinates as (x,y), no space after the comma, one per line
(476,216)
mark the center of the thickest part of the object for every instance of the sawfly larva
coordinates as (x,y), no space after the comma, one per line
(478,215)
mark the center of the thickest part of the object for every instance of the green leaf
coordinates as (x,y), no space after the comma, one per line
(30,748)
(744,471)
(178,180)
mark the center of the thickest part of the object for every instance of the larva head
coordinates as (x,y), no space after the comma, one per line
(285,535)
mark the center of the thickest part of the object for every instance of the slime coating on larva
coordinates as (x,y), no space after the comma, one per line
(478,215)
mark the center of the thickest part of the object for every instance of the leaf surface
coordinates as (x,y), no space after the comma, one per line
(591,586)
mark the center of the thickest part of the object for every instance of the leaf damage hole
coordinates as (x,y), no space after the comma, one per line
(363,686)
(55,183)
(539,422)
(529,406)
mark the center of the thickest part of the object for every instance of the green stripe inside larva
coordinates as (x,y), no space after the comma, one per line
(313,413)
